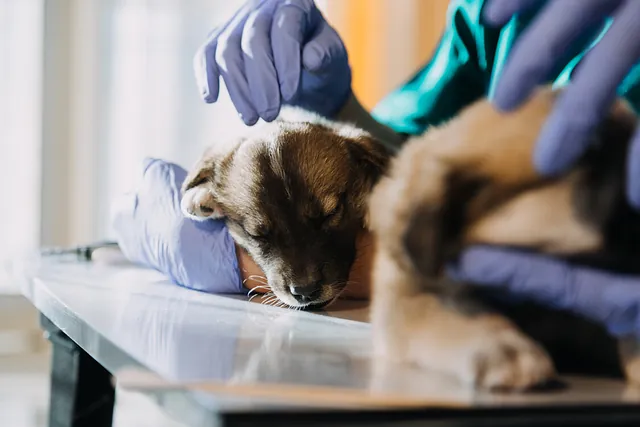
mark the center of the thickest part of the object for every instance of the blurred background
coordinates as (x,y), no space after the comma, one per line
(88,88)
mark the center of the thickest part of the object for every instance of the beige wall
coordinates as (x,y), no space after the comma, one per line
(387,40)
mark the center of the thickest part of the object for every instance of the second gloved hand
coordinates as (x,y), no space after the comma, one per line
(275,52)
(608,299)
(152,231)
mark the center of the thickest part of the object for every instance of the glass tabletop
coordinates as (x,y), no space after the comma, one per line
(196,353)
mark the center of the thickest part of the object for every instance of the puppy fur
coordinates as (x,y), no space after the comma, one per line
(472,181)
(294,195)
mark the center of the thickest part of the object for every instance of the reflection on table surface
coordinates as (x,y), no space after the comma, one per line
(155,335)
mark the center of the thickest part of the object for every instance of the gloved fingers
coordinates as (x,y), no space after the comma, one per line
(123,220)
(531,276)
(207,257)
(206,69)
(508,270)
(161,185)
(149,162)
(151,231)
(206,72)
(259,62)
(152,166)
(325,47)
(543,45)
(623,298)
(288,31)
(633,171)
(498,12)
(124,208)
(230,60)
(581,107)
(123,211)
(597,295)
(157,172)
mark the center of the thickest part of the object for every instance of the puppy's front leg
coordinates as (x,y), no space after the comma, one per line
(629,349)
(421,318)
(440,328)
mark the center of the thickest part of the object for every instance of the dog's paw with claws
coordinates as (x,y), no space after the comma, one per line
(485,352)
(510,361)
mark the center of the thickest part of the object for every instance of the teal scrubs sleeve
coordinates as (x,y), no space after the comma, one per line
(465,66)
(455,76)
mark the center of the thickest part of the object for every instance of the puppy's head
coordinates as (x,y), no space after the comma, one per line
(294,197)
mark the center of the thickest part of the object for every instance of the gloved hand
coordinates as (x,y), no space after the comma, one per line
(611,300)
(275,52)
(152,231)
(594,84)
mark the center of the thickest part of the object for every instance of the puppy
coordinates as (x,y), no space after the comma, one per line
(472,181)
(293,194)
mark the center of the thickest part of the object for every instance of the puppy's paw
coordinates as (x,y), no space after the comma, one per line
(484,352)
(198,203)
(629,349)
(632,371)
(509,361)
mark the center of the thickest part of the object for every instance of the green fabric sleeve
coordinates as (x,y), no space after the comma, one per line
(457,74)
(466,65)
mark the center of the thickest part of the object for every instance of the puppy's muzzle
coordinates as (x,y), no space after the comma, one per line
(308,286)
(307,293)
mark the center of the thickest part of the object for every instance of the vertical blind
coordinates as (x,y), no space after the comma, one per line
(21,29)
(88,88)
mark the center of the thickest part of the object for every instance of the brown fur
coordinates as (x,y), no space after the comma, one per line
(472,181)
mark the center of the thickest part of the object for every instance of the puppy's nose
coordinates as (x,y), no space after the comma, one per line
(306,293)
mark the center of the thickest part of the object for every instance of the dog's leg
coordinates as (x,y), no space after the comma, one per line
(437,324)
(420,217)
(420,318)
(629,350)
(477,347)
(417,316)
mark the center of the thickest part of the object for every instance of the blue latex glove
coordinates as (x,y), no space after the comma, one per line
(594,83)
(275,52)
(611,300)
(152,231)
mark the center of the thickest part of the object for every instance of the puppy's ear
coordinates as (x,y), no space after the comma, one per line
(371,155)
(198,199)
(203,171)
(370,160)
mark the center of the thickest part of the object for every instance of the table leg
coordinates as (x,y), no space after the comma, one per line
(82,391)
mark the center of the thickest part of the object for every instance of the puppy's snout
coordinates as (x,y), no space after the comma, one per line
(306,293)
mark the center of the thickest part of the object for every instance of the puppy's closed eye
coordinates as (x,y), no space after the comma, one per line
(258,232)
(329,214)
(335,214)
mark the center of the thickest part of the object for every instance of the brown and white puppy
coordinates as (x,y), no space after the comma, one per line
(471,181)
(293,194)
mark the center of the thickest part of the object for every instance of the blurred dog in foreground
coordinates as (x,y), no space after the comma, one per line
(472,181)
